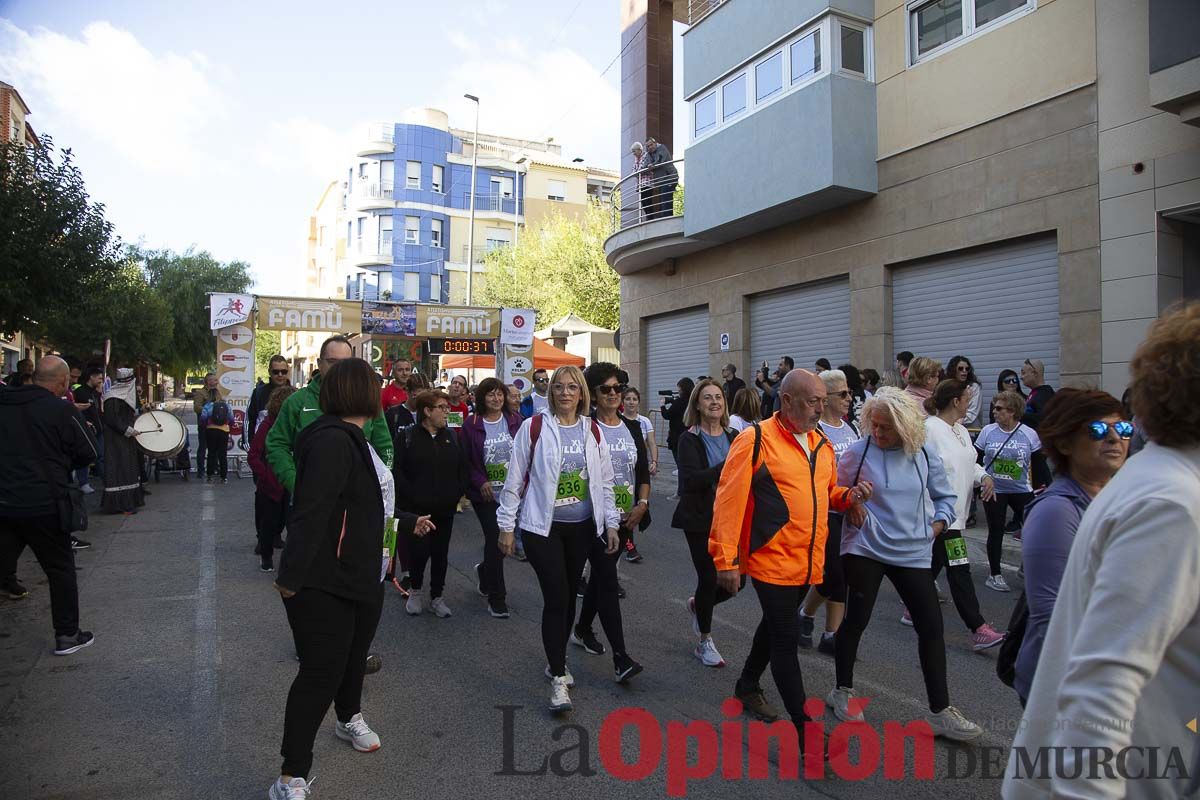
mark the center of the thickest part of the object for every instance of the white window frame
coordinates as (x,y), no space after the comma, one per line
(783,83)
(836,39)
(746,105)
(409,181)
(413,278)
(435,233)
(435,288)
(716,117)
(438,179)
(412,235)
(818,32)
(970,29)
(550,185)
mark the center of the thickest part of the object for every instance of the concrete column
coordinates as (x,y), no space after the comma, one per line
(871,316)
(646,72)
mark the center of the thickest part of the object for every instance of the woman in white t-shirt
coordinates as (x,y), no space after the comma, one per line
(746,409)
(630,405)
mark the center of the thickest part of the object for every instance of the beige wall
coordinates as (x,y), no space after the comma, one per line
(537,183)
(979,80)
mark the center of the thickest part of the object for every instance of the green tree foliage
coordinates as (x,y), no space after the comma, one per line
(556,268)
(266,344)
(55,244)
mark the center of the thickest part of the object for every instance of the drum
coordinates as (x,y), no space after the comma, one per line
(161,434)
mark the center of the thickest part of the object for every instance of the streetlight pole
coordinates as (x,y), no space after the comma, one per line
(471,222)
(517,201)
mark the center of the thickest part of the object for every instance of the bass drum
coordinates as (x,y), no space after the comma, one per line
(161,434)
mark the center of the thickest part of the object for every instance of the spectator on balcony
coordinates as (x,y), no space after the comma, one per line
(664,178)
(644,187)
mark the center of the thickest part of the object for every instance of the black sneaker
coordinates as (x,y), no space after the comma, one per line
(266,565)
(587,640)
(806,630)
(374,664)
(581,589)
(65,645)
(479,587)
(632,555)
(13,589)
(755,703)
(624,668)
(498,609)
(79,544)
(828,644)
(620,591)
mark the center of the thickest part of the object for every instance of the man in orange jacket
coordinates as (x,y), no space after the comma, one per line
(770,522)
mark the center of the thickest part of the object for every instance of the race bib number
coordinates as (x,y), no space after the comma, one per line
(1008,468)
(624,498)
(497,474)
(572,489)
(454,419)
(389,546)
(956,551)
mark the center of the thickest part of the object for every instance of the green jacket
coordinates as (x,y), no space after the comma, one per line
(297,413)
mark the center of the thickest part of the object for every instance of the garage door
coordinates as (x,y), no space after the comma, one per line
(996,305)
(805,322)
(676,347)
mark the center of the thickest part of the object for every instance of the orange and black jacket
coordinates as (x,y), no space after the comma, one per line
(770,515)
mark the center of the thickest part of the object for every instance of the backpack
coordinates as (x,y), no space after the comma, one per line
(535,432)
(219,414)
(1006,660)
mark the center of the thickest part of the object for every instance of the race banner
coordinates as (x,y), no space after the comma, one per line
(228,309)
(235,372)
(309,314)
(390,319)
(458,322)
(516,367)
(516,325)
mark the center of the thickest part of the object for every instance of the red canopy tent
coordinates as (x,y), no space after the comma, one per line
(545,356)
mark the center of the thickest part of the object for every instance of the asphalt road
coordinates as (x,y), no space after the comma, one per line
(182,694)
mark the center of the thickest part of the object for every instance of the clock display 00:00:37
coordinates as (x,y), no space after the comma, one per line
(478,347)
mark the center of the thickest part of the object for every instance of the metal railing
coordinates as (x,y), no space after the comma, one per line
(375,191)
(698,9)
(650,193)
(481,252)
(490,201)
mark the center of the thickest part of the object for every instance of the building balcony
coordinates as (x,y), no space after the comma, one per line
(648,221)
(1175,59)
(370,254)
(368,196)
(380,140)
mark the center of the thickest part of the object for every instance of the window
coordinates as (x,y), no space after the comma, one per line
(412,286)
(413,180)
(321,235)
(435,288)
(706,113)
(733,97)
(435,232)
(935,24)
(436,183)
(768,77)
(806,56)
(852,49)
(412,230)
(385,234)
(361,222)
(556,190)
(991,10)
(362,169)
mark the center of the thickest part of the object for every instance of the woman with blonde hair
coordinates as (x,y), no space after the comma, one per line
(923,376)
(745,410)
(892,536)
(560,478)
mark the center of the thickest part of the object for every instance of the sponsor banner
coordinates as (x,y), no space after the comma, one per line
(457,322)
(516,325)
(235,373)
(228,309)
(389,319)
(308,314)
(516,367)
(385,351)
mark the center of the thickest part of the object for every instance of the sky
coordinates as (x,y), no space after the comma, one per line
(218,124)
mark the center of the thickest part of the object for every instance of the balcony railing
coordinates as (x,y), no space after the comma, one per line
(490,201)
(698,9)
(481,252)
(650,193)
(373,191)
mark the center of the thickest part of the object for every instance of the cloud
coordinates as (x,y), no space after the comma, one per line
(300,143)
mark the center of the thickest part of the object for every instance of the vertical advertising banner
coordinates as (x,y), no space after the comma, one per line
(516,367)
(235,372)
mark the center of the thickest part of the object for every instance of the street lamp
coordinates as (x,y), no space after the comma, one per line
(471,222)
(517,201)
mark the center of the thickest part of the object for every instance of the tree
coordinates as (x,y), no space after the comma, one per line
(556,268)
(55,244)
(183,281)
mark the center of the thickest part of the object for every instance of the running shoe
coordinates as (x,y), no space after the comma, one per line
(587,640)
(374,664)
(65,645)
(986,636)
(691,607)
(358,733)
(707,652)
(624,668)
(479,587)
(631,553)
(828,644)
(806,629)
(839,700)
(519,554)
(950,723)
(997,583)
(266,564)
(13,589)
(581,587)
(566,674)
(87,489)
(498,609)
(295,789)
(560,698)
(79,544)
(415,605)
(942,597)
(906,618)
(440,609)
(755,704)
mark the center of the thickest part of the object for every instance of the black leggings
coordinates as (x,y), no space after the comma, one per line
(961,588)
(601,594)
(558,560)
(995,511)
(493,559)
(217,445)
(708,594)
(333,636)
(915,587)
(432,548)
(270,518)
(775,643)
(833,585)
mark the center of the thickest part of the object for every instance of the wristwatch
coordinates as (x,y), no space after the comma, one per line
(644,502)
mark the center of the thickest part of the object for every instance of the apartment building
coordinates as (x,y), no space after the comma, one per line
(15,127)
(1005,179)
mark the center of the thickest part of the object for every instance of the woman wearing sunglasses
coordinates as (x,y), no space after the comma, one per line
(1085,436)
(960,368)
(1009,381)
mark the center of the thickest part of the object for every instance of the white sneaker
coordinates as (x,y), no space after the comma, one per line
(706,651)
(440,608)
(950,723)
(295,789)
(566,674)
(416,603)
(691,607)
(997,583)
(839,700)
(358,733)
(87,489)
(560,698)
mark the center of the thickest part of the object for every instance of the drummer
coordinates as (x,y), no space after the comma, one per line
(122,459)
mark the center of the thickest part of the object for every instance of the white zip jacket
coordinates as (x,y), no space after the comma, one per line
(954,446)
(537,507)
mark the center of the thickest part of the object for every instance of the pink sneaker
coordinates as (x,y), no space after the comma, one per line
(906,618)
(986,636)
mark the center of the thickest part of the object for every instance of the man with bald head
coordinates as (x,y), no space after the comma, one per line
(770,521)
(45,439)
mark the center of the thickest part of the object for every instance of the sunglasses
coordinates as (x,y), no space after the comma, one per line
(1011,380)
(1098,430)
(606,388)
(279,372)
(845,394)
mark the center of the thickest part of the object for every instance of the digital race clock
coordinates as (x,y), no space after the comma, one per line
(462,347)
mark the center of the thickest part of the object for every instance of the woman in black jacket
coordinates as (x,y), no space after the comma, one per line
(673,411)
(331,571)
(702,450)
(431,477)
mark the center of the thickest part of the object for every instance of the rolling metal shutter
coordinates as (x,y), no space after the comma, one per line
(676,347)
(996,305)
(805,322)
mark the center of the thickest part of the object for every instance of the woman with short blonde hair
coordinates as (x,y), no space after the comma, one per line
(923,375)
(692,417)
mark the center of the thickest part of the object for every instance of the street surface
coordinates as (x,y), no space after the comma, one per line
(182,694)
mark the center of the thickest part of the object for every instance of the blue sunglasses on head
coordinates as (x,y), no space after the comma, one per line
(1098,430)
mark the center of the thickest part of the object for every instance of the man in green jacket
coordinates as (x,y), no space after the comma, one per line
(303,407)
